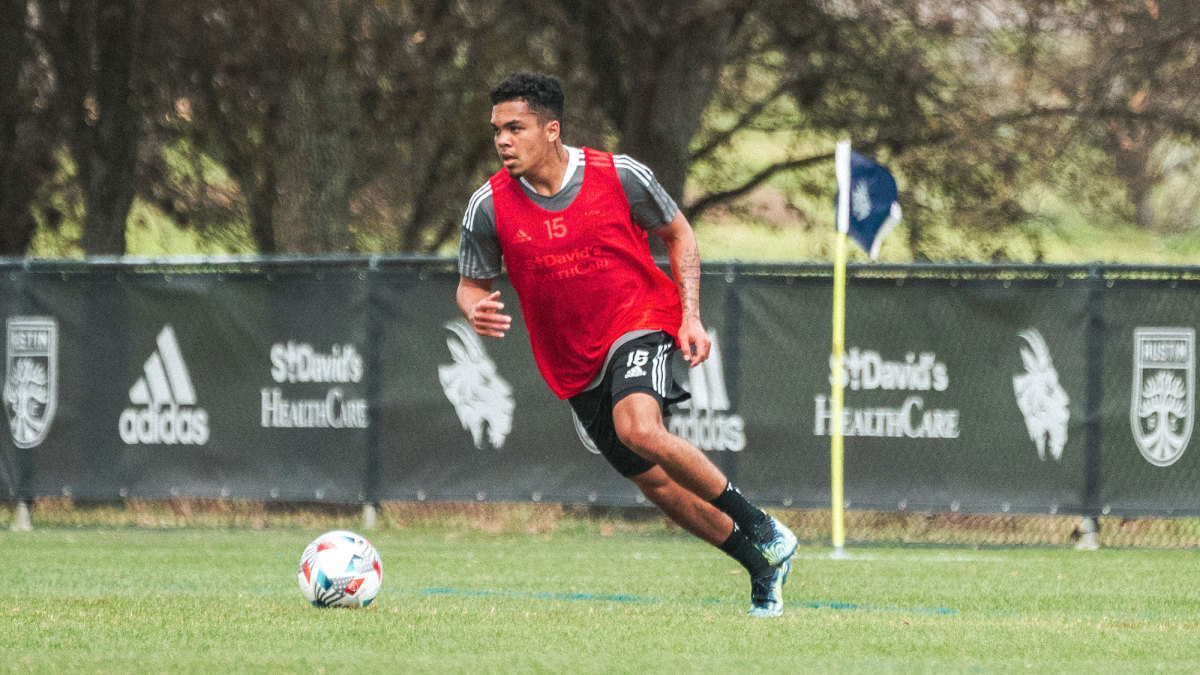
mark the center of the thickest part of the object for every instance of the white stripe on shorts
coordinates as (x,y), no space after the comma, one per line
(659,371)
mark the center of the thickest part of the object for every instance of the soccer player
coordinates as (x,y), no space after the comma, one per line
(605,323)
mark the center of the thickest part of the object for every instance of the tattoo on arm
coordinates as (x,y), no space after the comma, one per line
(688,280)
(684,255)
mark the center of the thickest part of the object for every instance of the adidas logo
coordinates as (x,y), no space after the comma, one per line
(635,371)
(165,397)
(522,237)
(708,423)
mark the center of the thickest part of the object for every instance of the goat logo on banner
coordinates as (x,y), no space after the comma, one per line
(1163,399)
(1042,400)
(481,397)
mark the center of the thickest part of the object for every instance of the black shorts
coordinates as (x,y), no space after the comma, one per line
(650,364)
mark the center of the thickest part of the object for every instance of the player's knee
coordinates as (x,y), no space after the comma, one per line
(640,434)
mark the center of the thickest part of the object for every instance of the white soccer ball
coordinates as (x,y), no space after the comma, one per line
(340,569)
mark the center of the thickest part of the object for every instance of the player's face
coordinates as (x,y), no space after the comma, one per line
(522,141)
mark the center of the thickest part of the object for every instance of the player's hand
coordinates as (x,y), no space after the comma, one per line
(486,318)
(694,342)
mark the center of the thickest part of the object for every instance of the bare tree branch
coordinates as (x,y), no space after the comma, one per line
(710,200)
(748,116)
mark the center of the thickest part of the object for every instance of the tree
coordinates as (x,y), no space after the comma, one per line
(357,125)
(27,140)
(650,68)
(423,72)
(975,106)
(229,82)
(93,46)
(678,84)
(344,125)
(1129,88)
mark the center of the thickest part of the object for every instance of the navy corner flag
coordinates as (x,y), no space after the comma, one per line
(872,209)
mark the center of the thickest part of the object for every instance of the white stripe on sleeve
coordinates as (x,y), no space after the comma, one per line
(472,206)
(643,172)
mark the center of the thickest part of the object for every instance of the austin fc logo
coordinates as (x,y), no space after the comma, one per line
(1163,392)
(31,374)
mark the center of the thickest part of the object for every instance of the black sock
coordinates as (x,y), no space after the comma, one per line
(746,515)
(739,547)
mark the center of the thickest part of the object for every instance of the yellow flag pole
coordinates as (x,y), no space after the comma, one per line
(836,447)
(836,444)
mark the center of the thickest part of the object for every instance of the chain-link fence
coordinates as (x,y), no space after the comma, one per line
(863,528)
(1004,402)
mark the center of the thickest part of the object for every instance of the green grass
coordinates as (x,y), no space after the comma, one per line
(581,597)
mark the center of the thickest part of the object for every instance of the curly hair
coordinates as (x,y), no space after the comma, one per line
(543,93)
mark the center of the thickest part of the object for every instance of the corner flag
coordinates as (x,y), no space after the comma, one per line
(867,208)
(872,209)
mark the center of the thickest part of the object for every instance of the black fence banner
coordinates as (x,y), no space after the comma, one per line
(977,389)
(961,395)
(469,418)
(1150,462)
(206,385)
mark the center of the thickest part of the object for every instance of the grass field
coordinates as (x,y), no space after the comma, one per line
(582,596)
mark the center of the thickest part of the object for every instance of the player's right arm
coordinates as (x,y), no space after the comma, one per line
(479,261)
(481,306)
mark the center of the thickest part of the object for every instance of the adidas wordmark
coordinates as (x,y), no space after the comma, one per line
(164,401)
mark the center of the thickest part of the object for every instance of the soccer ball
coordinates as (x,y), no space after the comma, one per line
(340,569)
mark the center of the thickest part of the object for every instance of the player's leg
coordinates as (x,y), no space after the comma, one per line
(594,411)
(706,522)
(683,507)
(673,473)
(637,418)
(639,425)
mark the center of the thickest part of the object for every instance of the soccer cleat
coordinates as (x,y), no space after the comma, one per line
(775,540)
(766,594)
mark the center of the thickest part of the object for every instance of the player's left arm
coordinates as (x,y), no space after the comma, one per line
(684,255)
